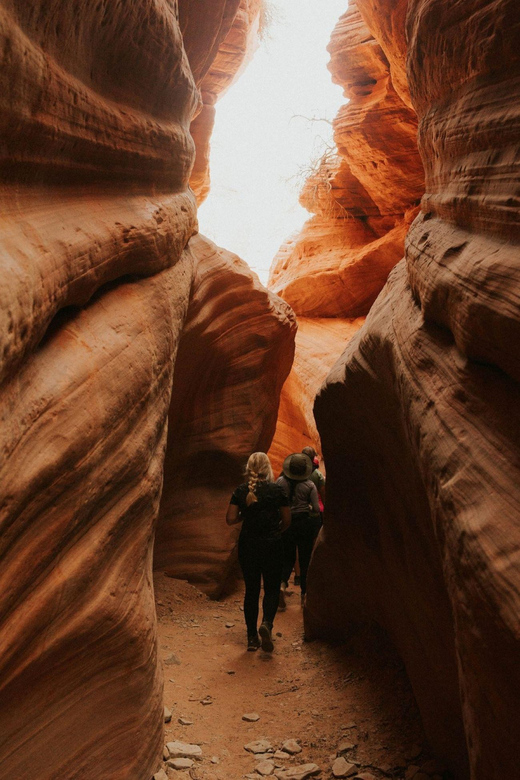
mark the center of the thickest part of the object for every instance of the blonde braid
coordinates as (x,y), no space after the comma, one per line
(251,484)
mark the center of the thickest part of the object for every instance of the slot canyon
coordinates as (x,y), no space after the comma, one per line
(142,364)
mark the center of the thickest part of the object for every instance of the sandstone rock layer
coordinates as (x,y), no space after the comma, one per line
(95,159)
(235,353)
(423,477)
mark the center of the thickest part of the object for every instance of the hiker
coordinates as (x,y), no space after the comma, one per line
(300,536)
(319,480)
(263,508)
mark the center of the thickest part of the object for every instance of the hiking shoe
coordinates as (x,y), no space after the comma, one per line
(253,642)
(296,579)
(265,636)
(281,599)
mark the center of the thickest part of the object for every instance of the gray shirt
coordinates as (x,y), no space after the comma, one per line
(305,493)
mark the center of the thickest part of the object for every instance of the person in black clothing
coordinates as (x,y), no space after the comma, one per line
(303,498)
(263,508)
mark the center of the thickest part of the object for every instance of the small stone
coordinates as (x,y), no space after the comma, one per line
(265,768)
(184,750)
(231,671)
(300,772)
(347,726)
(185,722)
(258,746)
(180,763)
(172,659)
(291,746)
(251,717)
(342,768)
(344,746)
(411,772)
(160,775)
(264,756)
(279,634)
(206,700)
(281,754)
(215,760)
(229,625)
(365,776)
(251,776)
(167,715)
(165,753)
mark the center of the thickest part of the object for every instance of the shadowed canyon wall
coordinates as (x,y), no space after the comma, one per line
(98,291)
(419,418)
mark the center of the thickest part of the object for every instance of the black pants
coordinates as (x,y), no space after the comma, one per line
(300,536)
(260,559)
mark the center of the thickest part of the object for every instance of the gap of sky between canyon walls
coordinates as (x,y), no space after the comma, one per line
(265,133)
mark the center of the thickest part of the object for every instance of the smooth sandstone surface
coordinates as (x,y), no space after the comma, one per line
(235,353)
(319,343)
(364,197)
(95,160)
(423,480)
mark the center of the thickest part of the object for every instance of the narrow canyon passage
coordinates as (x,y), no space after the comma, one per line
(350,699)
(141,364)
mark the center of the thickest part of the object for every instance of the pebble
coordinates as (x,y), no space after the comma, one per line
(291,746)
(281,754)
(231,671)
(167,715)
(229,625)
(258,746)
(183,750)
(411,772)
(185,722)
(251,717)
(172,659)
(365,776)
(344,746)
(165,753)
(342,768)
(215,760)
(265,768)
(180,763)
(300,772)
(279,634)
(347,726)
(160,775)
(206,700)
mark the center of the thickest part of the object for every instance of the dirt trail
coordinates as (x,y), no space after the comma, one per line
(319,694)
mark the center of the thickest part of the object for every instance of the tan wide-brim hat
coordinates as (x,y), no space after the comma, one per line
(297,467)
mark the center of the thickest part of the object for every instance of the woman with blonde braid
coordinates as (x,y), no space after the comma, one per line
(263,509)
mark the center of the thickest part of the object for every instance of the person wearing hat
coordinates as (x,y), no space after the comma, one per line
(303,498)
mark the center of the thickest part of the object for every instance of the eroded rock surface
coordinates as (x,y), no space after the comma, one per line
(95,158)
(423,477)
(235,353)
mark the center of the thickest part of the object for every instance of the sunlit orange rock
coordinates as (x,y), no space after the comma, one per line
(235,353)
(419,419)
(319,343)
(364,197)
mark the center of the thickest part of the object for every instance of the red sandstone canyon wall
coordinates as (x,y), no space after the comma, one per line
(235,353)
(418,419)
(363,197)
(95,159)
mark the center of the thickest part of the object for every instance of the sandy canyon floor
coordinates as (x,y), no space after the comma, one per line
(326,697)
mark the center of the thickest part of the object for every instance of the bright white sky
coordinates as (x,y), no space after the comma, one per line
(260,145)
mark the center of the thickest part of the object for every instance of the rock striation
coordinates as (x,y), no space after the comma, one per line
(96,156)
(363,196)
(236,350)
(423,479)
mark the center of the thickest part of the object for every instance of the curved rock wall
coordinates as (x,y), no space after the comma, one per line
(423,480)
(95,158)
(235,353)
(364,197)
